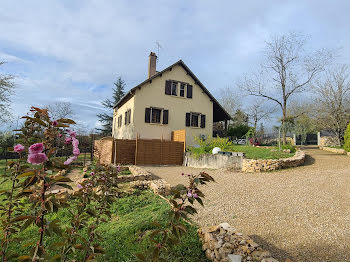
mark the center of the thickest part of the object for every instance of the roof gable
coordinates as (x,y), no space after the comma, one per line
(220,113)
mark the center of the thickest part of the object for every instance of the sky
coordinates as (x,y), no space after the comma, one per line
(73,51)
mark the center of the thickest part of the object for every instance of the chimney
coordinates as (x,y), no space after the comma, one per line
(152,63)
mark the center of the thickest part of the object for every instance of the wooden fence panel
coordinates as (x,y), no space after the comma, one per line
(125,151)
(147,152)
(180,136)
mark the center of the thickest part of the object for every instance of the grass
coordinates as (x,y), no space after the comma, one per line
(249,151)
(260,152)
(126,233)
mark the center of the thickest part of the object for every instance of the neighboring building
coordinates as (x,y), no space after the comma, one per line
(169,100)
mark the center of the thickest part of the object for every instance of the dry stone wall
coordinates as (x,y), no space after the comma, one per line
(260,165)
(158,186)
(223,243)
(333,150)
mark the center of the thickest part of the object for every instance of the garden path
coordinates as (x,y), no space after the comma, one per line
(300,213)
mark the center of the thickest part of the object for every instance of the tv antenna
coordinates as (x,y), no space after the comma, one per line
(159,47)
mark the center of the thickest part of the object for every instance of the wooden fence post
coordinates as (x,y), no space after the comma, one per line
(137,137)
(115,151)
(161,151)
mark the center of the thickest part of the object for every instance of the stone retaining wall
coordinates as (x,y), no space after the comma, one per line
(158,186)
(137,174)
(216,161)
(333,150)
(259,165)
(223,243)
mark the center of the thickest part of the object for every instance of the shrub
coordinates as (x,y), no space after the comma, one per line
(206,146)
(290,147)
(347,139)
(238,131)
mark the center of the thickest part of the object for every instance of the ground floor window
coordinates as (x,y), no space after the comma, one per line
(195,119)
(156,115)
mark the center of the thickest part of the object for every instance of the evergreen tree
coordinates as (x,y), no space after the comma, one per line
(107,118)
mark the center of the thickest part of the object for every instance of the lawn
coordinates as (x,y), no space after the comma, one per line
(126,233)
(250,152)
(262,152)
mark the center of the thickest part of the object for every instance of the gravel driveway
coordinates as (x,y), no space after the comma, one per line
(301,213)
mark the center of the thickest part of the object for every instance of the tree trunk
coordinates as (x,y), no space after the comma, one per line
(284,133)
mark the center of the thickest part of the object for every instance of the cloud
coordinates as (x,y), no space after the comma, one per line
(74,50)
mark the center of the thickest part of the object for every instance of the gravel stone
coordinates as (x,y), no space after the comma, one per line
(301,214)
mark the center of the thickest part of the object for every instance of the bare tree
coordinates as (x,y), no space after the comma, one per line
(333,101)
(60,110)
(6,90)
(258,111)
(287,70)
(230,100)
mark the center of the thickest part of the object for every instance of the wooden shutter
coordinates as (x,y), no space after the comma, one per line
(189,91)
(126,118)
(165,116)
(202,121)
(188,119)
(168,87)
(148,115)
(129,116)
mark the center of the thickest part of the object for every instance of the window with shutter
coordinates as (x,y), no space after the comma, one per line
(165,117)
(188,119)
(148,115)
(155,113)
(129,116)
(202,121)
(126,118)
(194,120)
(189,91)
(174,88)
(182,90)
(168,87)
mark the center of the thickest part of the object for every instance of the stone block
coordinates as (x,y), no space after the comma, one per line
(234,258)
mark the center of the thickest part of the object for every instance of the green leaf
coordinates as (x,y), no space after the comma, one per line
(24,258)
(65,186)
(141,257)
(62,179)
(27,223)
(30,173)
(66,121)
(20,218)
(155,255)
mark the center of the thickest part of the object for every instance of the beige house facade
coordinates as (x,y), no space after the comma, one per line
(169,100)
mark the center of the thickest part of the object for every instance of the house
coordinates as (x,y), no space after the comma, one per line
(168,100)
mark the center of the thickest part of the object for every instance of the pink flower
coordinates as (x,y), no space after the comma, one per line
(36,148)
(72,134)
(76,151)
(68,140)
(70,160)
(36,158)
(118,168)
(54,123)
(92,173)
(195,195)
(59,135)
(18,148)
(75,142)
(189,194)
(80,186)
